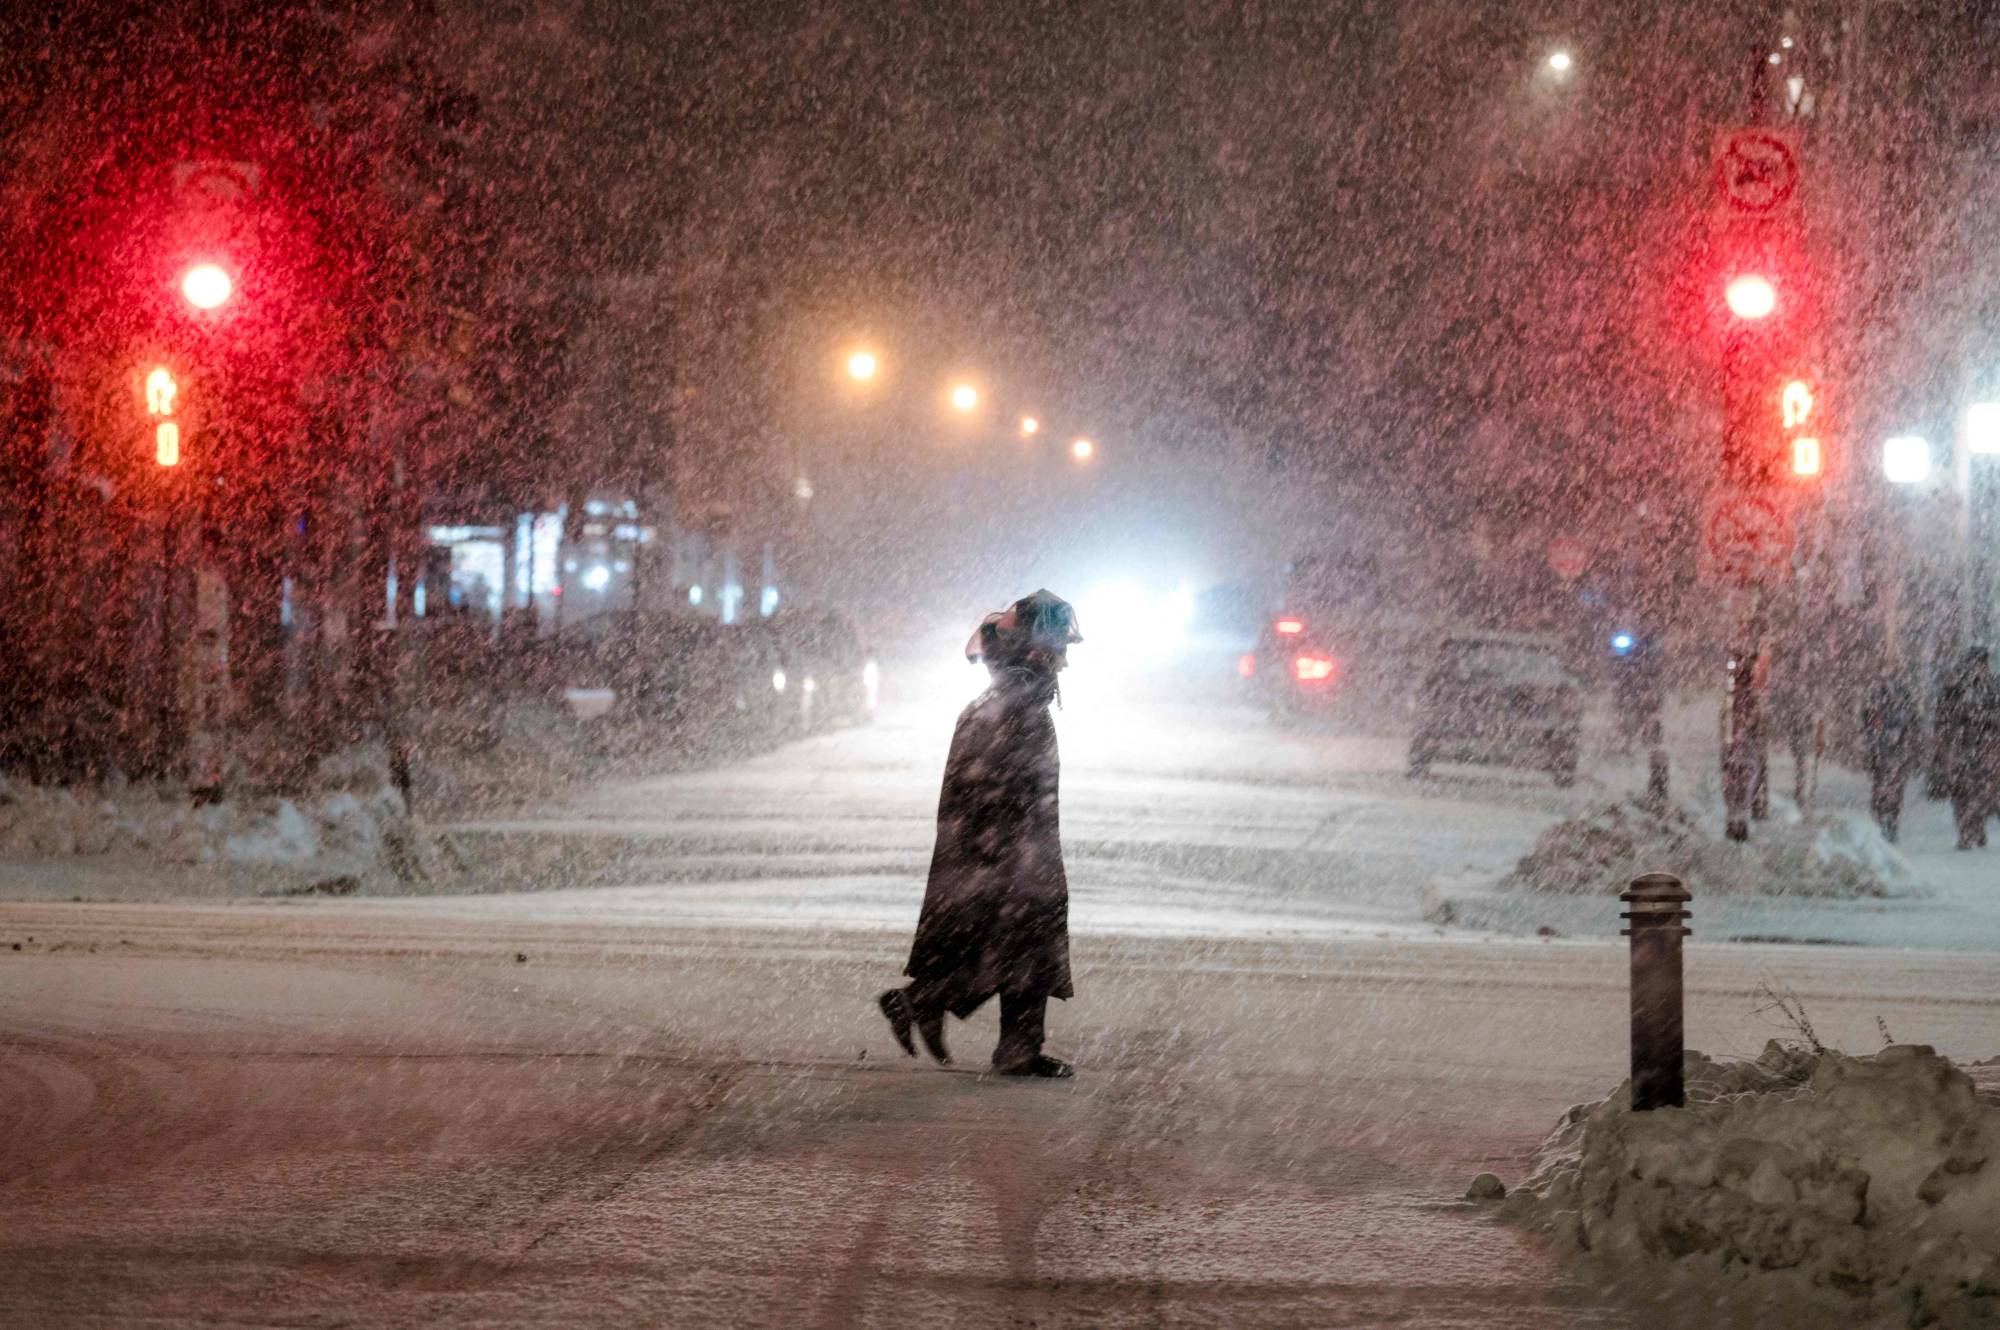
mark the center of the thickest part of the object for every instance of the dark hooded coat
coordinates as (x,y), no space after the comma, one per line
(996,910)
(1968,732)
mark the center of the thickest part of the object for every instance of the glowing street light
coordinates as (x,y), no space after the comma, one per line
(1083,450)
(964,397)
(1982,427)
(1750,296)
(1560,62)
(206,286)
(1030,427)
(862,366)
(1906,459)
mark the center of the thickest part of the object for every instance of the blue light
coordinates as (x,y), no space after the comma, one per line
(1622,644)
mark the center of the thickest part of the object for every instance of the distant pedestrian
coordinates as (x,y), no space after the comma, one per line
(1891,728)
(1793,710)
(1968,745)
(995,918)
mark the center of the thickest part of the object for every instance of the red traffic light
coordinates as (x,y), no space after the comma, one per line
(206,286)
(1750,296)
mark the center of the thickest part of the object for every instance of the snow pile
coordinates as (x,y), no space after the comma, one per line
(1830,855)
(352,829)
(499,754)
(1874,1177)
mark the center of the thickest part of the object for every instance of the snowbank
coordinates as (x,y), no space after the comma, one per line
(1874,1179)
(1828,855)
(351,831)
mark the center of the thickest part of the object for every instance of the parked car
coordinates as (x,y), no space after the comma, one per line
(695,677)
(836,678)
(1500,699)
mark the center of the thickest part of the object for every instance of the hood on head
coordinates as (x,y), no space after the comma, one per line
(1041,619)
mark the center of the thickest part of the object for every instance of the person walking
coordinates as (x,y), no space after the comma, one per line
(995,919)
(1890,727)
(1968,745)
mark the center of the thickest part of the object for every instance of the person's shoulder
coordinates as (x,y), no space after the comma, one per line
(986,709)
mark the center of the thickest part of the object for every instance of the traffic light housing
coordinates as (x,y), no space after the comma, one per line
(1764,315)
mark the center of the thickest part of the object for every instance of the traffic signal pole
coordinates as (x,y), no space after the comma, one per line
(1771,447)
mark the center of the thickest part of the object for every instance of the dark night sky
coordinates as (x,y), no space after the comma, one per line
(1367,249)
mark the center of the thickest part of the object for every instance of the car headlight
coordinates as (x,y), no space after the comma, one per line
(778,680)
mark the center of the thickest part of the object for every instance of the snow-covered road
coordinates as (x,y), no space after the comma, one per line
(1186,818)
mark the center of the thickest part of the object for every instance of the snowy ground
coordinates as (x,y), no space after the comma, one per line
(664,1095)
(537,1110)
(1190,816)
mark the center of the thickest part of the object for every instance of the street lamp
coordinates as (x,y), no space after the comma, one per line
(1560,62)
(1906,459)
(1083,450)
(1029,427)
(1982,427)
(964,397)
(206,286)
(862,366)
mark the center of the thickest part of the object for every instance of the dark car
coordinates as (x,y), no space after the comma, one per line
(830,672)
(694,676)
(1293,671)
(1500,699)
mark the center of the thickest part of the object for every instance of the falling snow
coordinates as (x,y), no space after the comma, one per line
(493,498)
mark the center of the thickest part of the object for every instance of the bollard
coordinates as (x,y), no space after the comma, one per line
(1656,932)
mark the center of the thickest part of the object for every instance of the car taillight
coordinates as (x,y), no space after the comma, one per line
(1246,665)
(1289,627)
(1313,669)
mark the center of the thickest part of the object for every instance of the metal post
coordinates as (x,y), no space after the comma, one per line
(1656,932)
(1656,767)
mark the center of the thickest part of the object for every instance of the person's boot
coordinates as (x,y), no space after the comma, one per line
(1040,1065)
(895,1005)
(932,1033)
